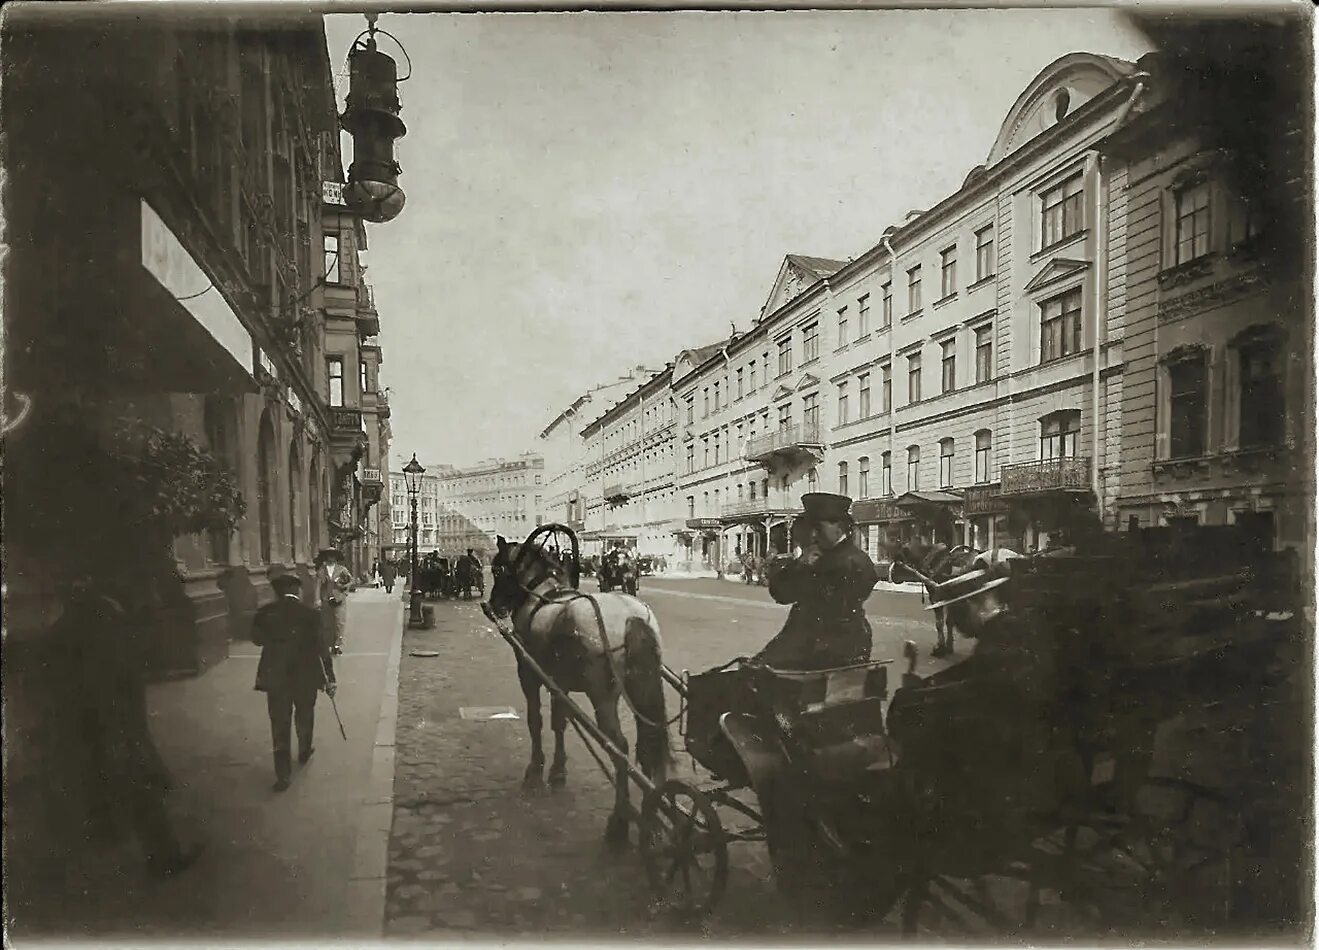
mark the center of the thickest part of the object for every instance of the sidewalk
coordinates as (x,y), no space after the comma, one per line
(306,862)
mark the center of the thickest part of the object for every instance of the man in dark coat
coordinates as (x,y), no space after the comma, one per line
(827,584)
(295,663)
(94,643)
(387,574)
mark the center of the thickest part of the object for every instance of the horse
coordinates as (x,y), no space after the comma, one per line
(606,646)
(937,563)
(467,575)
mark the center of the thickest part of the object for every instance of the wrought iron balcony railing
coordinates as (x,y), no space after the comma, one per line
(786,439)
(1047,475)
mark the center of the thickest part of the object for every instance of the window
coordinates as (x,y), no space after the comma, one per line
(705,451)
(785,415)
(740,384)
(863,477)
(333,271)
(948,271)
(362,377)
(812,481)
(842,478)
(691,409)
(863,315)
(985,253)
(751,382)
(913,467)
(810,413)
(1062,212)
(785,356)
(810,342)
(863,396)
(1262,402)
(1192,222)
(886,385)
(1058,435)
(886,306)
(984,353)
(983,445)
(1060,326)
(751,491)
(842,404)
(717,403)
(842,327)
(1186,404)
(945,463)
(914,378)
(885,473)
(765,363)
(335,367)
(949,365)
(914,289)
(691,459)
(717,445)
(705,396)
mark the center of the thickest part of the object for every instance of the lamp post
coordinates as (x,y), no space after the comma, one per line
(412,473)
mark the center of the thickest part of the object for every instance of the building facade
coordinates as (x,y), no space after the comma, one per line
(461,508)
(961,379)
(1216,421)
(630,496)
(164,267)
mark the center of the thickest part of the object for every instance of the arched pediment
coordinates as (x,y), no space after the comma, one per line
(1060,89)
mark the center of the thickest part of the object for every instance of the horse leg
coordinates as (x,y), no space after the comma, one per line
(606,717)
(532,779)
(559,723)
(940,623)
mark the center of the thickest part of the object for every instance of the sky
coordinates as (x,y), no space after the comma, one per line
(589,192)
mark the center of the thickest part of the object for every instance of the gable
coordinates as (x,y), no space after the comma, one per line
(807,381)
(781,392)
(1060,89)
(1056,271)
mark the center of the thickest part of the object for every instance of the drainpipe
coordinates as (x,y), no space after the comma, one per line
(892,358)
(1099,294)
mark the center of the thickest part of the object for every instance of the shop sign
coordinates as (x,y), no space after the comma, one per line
(982,500)
(704,524)
(332,192)
(877,510)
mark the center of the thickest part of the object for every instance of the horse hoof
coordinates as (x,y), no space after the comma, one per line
(616,835)
(532,782)
(558,778)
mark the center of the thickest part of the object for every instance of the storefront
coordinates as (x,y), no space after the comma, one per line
(985,519)
(879,524)
(706,542)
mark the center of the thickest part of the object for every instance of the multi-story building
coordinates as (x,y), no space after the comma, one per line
(165,267)
(359,434)
(461,508)
(566,454)
(957,379)
(1216,419)
(630,483)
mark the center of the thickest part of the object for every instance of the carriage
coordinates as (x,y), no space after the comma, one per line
(435,577)
(1082,830)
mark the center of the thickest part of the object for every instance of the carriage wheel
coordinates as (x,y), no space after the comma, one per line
(683,848)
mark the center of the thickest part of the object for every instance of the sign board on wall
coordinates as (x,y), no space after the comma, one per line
(171,264)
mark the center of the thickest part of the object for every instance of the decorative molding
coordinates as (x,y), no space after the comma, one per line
(1186,353)
(1259,334)
(1186,273)
(1207,298)
(1058,269)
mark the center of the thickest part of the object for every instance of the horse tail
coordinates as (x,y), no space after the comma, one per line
(644,686)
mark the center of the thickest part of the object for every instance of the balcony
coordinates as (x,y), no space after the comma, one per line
(368,320)
(347,435)
(787,443)
(1047,476)
(618,493)
(756,509)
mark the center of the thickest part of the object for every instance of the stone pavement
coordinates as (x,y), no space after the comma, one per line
(306,862)
(472,855)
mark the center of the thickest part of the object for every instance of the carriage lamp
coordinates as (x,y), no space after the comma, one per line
(412,473)
(371,117)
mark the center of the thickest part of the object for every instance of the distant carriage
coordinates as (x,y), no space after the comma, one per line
(468,576)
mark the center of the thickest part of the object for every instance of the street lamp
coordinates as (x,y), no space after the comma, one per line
(412,473)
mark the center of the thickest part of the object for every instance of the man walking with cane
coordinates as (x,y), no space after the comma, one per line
(295,663)
(332,583)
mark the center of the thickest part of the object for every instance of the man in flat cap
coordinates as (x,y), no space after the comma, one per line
(295,664)
(827,585)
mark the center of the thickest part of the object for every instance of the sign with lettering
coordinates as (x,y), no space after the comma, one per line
(332,192)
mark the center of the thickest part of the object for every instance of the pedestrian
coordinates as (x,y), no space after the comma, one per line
(94,645)
(388,572)
(827,584)
(295,664)
(375,573)
(332,584)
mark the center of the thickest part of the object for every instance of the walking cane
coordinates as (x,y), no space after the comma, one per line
(333,705)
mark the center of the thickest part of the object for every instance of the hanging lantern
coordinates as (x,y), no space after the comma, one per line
(371,117)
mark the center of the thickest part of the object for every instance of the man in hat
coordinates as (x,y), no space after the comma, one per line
(295,663)
(827,585)
(332,584)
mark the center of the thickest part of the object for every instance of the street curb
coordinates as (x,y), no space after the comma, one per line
(364,913)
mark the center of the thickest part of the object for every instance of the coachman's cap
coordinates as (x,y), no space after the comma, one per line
(286,584)
(825,506)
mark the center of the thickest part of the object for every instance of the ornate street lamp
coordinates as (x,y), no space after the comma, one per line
(371,117)
(412,473)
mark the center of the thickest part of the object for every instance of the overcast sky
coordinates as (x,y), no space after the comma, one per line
(591,191)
